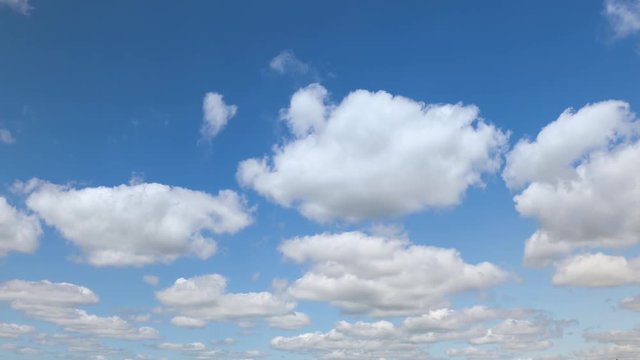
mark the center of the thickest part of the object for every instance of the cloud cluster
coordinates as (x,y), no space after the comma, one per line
(496,333)
(581,183)
(138,224)
(198,350)
(216,115)
(620,344)
(382,276)
(202,299)
(18,231)
(373,155)
(10,330)
(57,303)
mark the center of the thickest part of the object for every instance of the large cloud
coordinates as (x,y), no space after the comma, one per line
(581,179)
(138,224)
(18,231)
(201,299)
(374,155)
(57,302)
(382,276)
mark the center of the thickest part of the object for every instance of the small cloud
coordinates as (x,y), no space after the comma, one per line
(255,276)
(151,279)
(624,16)
(216,115)
(287,63)
(5,135)
(21,6)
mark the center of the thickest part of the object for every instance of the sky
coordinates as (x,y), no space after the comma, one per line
(328,180)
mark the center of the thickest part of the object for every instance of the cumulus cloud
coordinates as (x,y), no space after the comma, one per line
(294,320)
(287,63)
(6,137)
(382,276)
(138,224)
(373,155)
(581,181)
(597,270)
(18,231)
(21,6)
(56,303)
(624,16)
(530,331)
(216,115)
(202,299)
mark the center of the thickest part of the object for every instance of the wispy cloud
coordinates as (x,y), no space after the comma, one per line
(6,137)
(287,63)
(21,6)
(624,16)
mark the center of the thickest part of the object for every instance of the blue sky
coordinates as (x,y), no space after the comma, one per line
(329,180)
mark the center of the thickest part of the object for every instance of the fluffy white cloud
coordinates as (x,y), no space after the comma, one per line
(287,63)
(8,330)
(56,303)
(138,224)
(597,270)
(200,299)
(21,6)
(624,16)
(18,231)
(216,115)
(382,276)
(374,155)
(582,181)
(5,135)
(295,320)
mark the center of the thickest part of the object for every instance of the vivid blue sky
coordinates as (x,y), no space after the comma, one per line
(319,180)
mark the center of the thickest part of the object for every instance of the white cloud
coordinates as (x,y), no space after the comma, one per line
(216,115)
(8,330)
(384,340)
(21,6)
(572,136)
(287,63)
(631,303)
(581,178)
(597,270)
(56,303)
(138,224)
(151,279)
(374,155)
(6,137)
(184,321)
(198,350)
(382,276)
(295,320)
(201,299)
(18,231)
(624,16)
(622,345)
